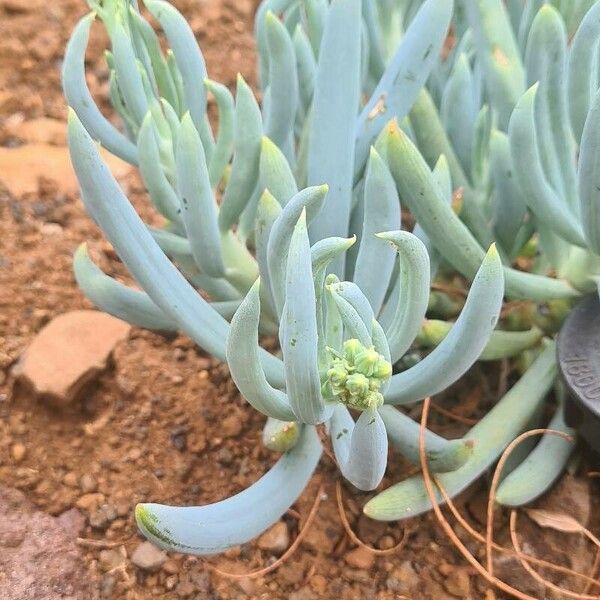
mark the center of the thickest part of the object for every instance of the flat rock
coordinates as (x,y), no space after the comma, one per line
(68,353)
(38,558)
(23,168)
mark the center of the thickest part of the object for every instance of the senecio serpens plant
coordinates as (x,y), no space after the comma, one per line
(359,116)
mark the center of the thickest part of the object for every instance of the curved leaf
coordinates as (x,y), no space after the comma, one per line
(414,282)
(213,528)
(161,192)
(300,340)
(167,288)
(243,360)
(463,345)
(548,208)
(442,455)
(224,147)
(310,198)
(361,448)
(80,99)
(189,60)
(490,437)
(541,468)
(115,298)
(198,205)
(406,73)
(381,213)
(244,169)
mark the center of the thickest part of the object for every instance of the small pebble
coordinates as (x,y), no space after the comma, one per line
(70,479)
(360,558)
(231,426)
(276,539)
(87,483)
(458,583)
(18,452)
(170,567)
(148,557)
(89,502)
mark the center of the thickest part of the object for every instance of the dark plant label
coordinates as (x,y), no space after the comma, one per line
(579,363)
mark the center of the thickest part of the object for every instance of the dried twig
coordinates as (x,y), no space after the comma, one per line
(354,537)
(446,525)
(496,481)
(452,415)
(102,544)
(296,543)
(542,580)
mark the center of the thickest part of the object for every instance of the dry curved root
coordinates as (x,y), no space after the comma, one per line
(487,571)
(354,537)
(287,554)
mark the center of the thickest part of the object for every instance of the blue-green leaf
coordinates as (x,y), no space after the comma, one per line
(548,207)
(198,205)
(414,282)
(490,437)
(589,177)
(541,468)
(310,198)
(283,83)
(266,214)
(300,340)
(189,59)
(381,213)
(244,169)
(442,455)
(463,345)
(244,364)
(360,448)
(499,55)
(115,298)
(134,244)
(546,62)
(335,104)
(458,110)
(80,99)
(583,69)
(161,192)
(509,205)
(306,66)
(275,173)
(128,74)
(405,74)
(224,147)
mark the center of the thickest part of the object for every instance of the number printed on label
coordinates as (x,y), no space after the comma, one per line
(582,376)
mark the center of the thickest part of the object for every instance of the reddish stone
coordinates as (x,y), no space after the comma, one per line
(69,353)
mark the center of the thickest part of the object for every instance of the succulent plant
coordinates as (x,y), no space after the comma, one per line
(287,218)
(336,356)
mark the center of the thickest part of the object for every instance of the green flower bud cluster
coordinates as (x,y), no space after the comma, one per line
(355,376)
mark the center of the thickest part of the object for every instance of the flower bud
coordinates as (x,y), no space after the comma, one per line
(383,369)
(367,360)
(357,385)
(351,349)
(337,376)
(373,400)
